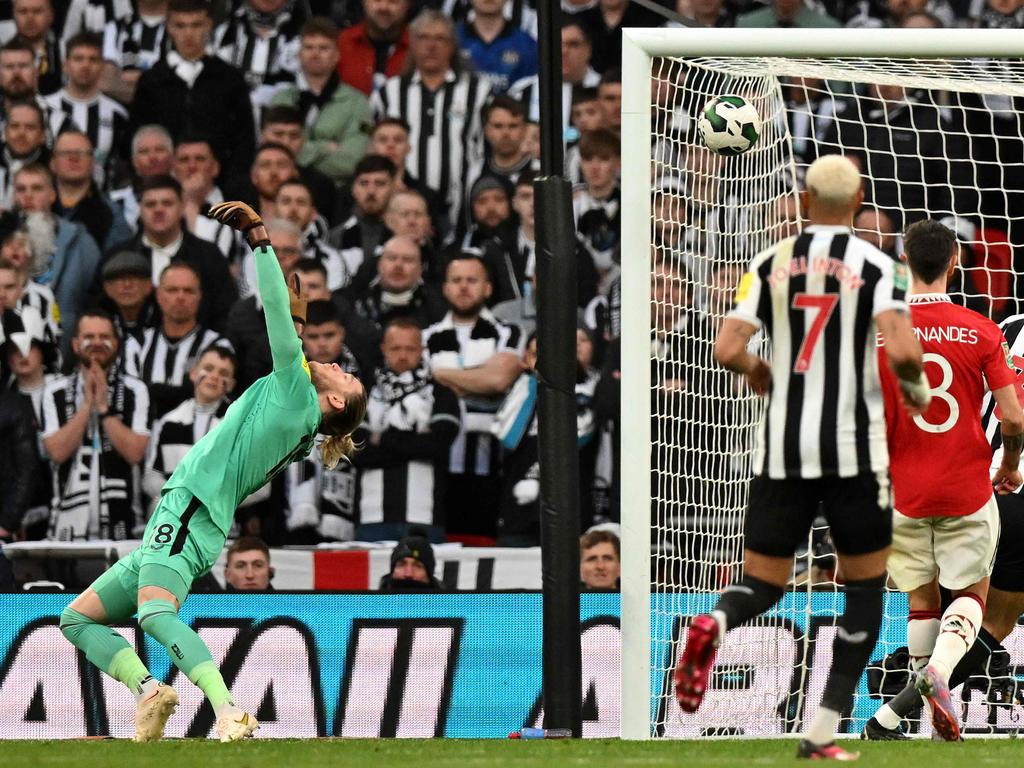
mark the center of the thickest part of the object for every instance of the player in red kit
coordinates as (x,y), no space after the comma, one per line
(945,519)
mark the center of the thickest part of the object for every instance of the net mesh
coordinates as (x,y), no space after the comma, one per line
(934,138)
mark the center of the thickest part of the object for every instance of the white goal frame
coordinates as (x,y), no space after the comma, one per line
(639,47)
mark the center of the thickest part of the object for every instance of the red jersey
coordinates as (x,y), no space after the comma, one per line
(939,461)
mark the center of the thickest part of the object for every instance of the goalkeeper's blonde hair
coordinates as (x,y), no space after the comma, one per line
(338,428)
(833,180)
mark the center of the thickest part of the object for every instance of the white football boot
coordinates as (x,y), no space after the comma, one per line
(152,712)
(235,725)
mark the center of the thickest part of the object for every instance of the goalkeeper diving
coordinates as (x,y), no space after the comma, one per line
(274,422)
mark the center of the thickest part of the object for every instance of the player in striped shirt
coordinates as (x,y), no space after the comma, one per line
(273,423)
(821,297)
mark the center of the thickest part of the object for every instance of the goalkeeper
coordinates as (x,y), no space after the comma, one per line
(273,423)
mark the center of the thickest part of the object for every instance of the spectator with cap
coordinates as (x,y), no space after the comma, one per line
(128,294)
(67,256)
(494,234)
(335,115)
(412,565)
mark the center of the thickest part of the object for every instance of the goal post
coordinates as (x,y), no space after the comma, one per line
(684,479)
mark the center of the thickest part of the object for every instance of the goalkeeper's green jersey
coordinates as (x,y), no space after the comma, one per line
(273,423)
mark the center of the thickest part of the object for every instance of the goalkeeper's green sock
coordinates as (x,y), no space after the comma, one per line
(106,649)
(159,619)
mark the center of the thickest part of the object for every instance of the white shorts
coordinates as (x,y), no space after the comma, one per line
(959,550)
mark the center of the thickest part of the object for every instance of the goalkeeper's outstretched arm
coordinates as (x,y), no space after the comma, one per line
(281,309)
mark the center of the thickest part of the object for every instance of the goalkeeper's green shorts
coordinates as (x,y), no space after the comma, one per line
(180,544)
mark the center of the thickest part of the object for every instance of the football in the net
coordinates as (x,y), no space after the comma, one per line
(729,125)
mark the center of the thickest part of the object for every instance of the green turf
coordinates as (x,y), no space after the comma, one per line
(399,753)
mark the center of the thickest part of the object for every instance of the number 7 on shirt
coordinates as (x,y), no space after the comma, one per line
(822,305)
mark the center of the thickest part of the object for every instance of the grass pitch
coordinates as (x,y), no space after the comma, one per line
(434,753)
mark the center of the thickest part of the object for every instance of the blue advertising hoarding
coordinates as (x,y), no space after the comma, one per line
(455,665)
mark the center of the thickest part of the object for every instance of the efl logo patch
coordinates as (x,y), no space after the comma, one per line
(1009,357)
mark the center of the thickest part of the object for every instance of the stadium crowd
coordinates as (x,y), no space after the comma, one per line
(391,147)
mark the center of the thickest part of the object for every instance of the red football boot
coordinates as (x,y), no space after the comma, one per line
(944,719)
(830,751)
(694,666)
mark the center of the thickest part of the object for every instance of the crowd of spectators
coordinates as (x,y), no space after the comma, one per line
(390,146)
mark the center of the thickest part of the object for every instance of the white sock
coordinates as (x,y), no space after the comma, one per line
(146,688)
(922,630)
(887,718)
(225,708)
(823,726)
(719,617)
(957,633)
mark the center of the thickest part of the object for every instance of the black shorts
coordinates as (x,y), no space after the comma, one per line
(780,513)
(1008,571)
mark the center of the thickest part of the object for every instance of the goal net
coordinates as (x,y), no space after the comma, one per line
(937,136)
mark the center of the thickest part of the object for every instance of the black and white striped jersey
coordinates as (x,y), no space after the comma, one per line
(102,119)
(448,345)
(406,485)
(1011,328)
(816,296)
(263,60)
(93,16)
(173,436)
(164,363)
(136,42)
(96,492)
(446,130)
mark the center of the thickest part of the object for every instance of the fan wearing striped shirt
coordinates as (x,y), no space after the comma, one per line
(478,357)
(165,355)
(821,298)
(97,115)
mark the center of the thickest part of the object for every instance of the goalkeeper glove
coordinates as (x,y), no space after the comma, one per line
(237,215)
